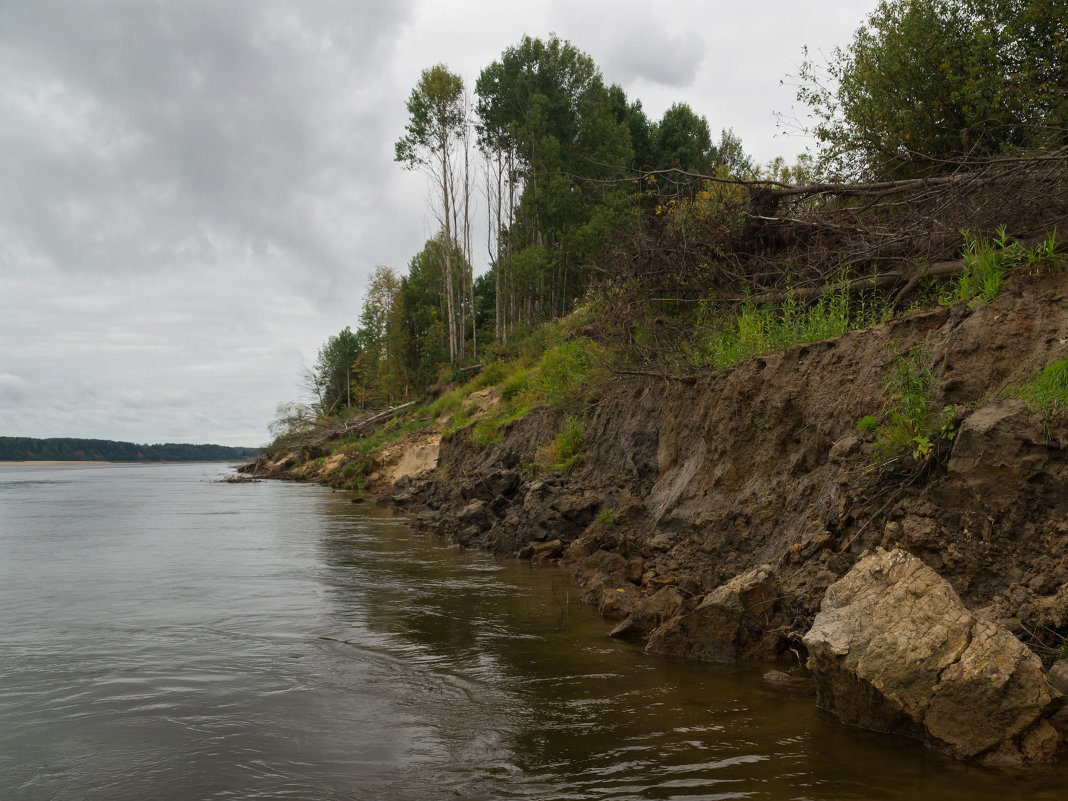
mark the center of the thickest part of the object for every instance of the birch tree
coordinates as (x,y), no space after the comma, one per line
(436,129)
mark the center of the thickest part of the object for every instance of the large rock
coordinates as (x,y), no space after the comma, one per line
(894,649)
(728,626)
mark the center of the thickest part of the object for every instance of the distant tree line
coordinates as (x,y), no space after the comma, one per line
(569,171)
(64,449)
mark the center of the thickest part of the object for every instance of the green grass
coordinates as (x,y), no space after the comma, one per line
(908,402)
(868,422)
(1048,393)
(449,402)
(1049,389)
(566,447)
(725,337)
(988,262)
(607,517)
(459,420)
(986,265)
(567,372)
(515,383)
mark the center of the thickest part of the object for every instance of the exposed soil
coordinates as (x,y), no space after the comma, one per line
(690,483)
(687,484)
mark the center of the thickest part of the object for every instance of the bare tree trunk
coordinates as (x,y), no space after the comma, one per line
(446,192)
(467,241)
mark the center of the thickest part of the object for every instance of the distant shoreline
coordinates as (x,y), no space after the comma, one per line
(42,461)
(53,463)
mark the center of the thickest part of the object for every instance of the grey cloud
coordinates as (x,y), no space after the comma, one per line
(633,42)
(653,55)
(160,133)
(13,389)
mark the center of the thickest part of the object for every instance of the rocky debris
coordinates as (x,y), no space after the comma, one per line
(1058,676)
(731,624)
(619,602)
(544,552)
(785,681)
(893,649)
(998,445)
(649,612)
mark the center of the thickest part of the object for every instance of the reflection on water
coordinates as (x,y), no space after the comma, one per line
(168,637)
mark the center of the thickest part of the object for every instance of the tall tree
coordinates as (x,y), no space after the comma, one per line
(436,128)
(682,140)
(330,379)
(384,371)
(544,102)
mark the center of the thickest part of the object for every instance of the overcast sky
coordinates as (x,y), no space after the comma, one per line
(194,192)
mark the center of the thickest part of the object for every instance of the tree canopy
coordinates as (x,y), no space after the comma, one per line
(928,83)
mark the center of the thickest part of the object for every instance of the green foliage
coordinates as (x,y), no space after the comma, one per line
(546,116)
(722,340)
(492,373)
(868,422)
(682,140)
(514,384)
(449,402)
(987,262)
(437,118)
(567,372)
(907,427)
(1048,393)
(291,420)
(330,380)
(926,82)
(907,401)
(566,447)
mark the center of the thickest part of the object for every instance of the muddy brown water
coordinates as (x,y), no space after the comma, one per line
(164,636)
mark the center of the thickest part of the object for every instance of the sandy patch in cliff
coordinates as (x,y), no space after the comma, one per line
(415,454)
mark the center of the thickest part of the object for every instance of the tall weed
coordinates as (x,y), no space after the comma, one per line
(756,330)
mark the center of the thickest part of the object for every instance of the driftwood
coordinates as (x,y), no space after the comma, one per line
(362,425)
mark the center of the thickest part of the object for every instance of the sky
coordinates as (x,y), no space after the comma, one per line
(193,193)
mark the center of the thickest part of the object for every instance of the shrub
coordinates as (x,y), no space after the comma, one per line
(514,384)
(907,427)
(491,374)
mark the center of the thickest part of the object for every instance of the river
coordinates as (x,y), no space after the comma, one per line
(167,636)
